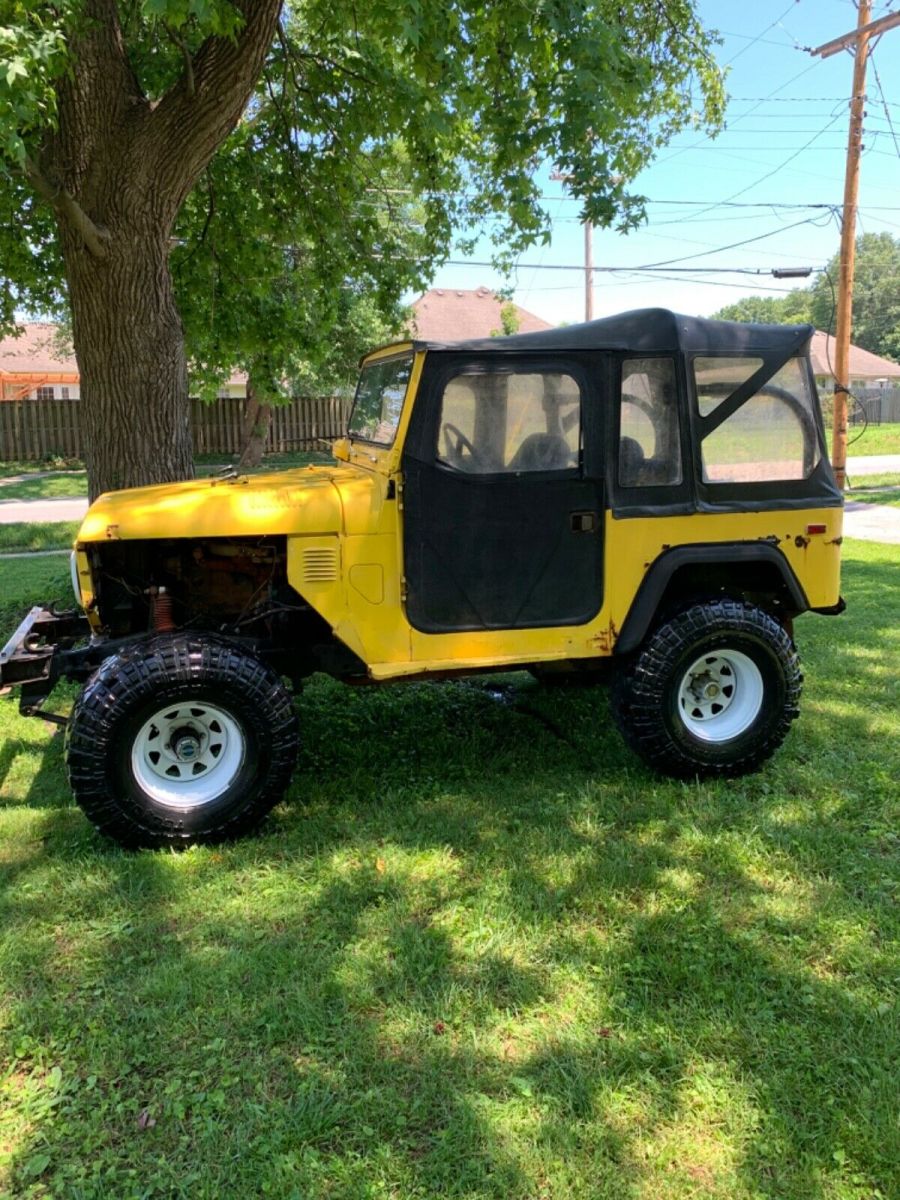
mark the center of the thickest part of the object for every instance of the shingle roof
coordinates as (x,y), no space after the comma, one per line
(42,350)
(451,315)
(39,350)
(862,362)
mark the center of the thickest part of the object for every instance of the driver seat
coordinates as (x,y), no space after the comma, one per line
(541,452)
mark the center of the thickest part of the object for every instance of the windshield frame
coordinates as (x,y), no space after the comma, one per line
(406,356)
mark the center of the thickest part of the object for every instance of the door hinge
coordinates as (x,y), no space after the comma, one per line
(404,590)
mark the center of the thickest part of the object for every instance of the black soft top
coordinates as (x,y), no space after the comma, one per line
(646,331)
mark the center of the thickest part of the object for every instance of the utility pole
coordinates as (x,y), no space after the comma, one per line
(563,177)
(588,271)
(865,29)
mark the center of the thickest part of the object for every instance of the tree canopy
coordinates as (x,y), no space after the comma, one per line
(876,298)
(284,146)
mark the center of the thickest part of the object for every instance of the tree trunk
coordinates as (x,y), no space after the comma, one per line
(135,415)
(116,168)
(257,419)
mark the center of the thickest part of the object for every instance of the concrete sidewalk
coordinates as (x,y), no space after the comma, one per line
(873,464)
(65,509)
(872,522)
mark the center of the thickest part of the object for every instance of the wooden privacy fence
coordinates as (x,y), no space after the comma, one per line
(880,405)
(33,430)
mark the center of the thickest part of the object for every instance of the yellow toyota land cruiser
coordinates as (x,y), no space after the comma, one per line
(649,493)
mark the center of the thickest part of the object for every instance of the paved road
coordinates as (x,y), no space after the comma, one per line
(872,522)
(873,464)
(42,510)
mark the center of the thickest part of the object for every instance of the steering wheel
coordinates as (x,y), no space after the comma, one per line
(456,441)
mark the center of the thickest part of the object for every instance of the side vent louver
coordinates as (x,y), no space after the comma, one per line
(320,564)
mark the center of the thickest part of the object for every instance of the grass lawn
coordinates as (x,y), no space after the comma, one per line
(877,439)
(481,952)
(862,483)
(37,535)
(72,483)
(875,496)
(10,466)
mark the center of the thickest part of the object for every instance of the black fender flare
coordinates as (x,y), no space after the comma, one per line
(653,586)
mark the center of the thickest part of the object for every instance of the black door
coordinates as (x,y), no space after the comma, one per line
(502,515)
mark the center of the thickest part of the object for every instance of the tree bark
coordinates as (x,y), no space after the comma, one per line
(135,413)
(116,170)
(257,419)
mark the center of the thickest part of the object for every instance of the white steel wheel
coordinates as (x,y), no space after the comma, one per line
(720,695)
(188,754)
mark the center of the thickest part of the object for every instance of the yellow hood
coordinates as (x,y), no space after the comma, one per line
(306,500)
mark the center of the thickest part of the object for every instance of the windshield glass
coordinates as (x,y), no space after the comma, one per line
(379,400)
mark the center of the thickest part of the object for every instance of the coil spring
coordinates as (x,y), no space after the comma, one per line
(161,618)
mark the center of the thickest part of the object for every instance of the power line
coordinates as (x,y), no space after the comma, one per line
(760,37)
(887,111)
(780,167)
(743,116)
(652,268)
(734,245)
(658,276)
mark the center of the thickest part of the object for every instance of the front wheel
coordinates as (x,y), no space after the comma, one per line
(185,738)
(712,692)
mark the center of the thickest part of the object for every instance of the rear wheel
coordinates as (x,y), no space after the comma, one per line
(713,691)
(185,738)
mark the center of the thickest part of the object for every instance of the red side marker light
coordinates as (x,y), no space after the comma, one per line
(816,528)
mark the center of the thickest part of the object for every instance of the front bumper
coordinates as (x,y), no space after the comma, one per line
(39,653)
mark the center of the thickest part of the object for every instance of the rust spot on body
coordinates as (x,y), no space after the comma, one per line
(604,639)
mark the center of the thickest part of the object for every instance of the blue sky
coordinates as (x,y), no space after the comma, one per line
(784,141)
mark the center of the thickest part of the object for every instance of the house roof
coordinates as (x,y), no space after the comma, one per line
(862,362)
(452,315)
(39,350)
(42,349)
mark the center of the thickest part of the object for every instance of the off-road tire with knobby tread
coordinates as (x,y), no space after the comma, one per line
(169,669)
(644,694)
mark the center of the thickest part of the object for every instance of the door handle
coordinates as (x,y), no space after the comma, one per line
(583,522)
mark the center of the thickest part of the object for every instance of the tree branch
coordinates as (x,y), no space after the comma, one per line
(94,236)
(187,126)
(182,45)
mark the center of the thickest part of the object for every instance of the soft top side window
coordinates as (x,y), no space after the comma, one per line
(649,445)
(510,422)
(772,436)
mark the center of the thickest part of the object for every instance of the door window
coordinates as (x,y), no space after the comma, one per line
(510,423)
(649,445)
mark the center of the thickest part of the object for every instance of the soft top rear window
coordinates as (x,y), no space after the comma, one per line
(379,400)
(772,436)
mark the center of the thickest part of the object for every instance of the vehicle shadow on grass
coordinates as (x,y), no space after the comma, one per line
(535,973)
(477,953)
(32,771)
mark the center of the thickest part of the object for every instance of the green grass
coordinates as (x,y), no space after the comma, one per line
(877,439)
(862,483)
(29,466)
(72,483)
(29,581)
(480,953)
(875,496)
(18,536)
